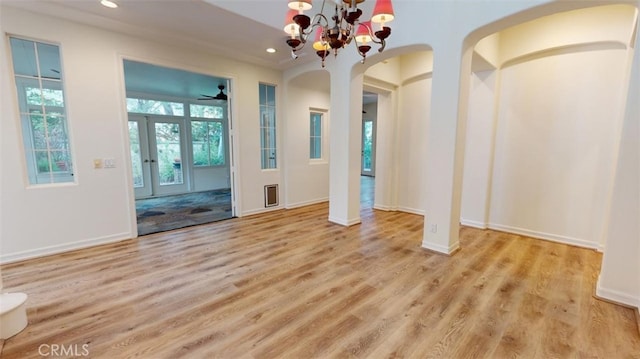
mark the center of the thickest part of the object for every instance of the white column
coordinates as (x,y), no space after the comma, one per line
(445,146)
(619,279)
(345,131)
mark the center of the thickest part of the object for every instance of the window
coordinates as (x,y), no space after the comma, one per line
(315,136)
(38,74)
(155,107)
(204,111)
(268,126)
(207,138)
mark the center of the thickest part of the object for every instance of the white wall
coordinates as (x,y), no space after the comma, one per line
(413,120)
(478,158)
(99,208)
(600,24)
(307,181)
(559,120)
(620,276)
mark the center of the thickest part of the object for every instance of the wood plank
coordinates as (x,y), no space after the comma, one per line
(290,284)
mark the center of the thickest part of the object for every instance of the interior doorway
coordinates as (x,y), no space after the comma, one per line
(368,162)
(368,144)
(179,145)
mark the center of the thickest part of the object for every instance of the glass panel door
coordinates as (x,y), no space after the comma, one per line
(167,145)
(157,156)
(368,148)
(140,162)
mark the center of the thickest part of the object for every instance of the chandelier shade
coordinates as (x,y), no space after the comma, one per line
(332,33)
(363,36)
(300,5)
(382,12)
(290,26)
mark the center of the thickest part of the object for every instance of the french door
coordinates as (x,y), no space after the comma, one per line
(368,162)
(158,155)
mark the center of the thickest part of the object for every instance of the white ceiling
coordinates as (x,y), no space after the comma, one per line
(238,29)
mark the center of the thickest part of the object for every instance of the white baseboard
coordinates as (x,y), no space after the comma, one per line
(441,249)
(306,203)
(411,210)
(347,223)
(546,236)
(65,247)
(252,212)
(384,208)
(474,224)
(616,296)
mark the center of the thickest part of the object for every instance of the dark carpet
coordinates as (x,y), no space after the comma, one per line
(159,214)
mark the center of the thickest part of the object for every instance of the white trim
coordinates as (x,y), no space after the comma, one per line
(307,203)
(347,223)
(441,249)
(474,224)
(66,247)
(617,296)
(411,210)
(382,207)
(260,210)
(546,236)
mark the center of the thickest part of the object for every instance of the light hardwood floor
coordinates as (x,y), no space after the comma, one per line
(289,284)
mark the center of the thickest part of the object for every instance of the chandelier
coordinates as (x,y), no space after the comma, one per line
(344,28)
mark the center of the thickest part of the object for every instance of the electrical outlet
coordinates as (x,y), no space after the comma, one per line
(434,228)
(109,163)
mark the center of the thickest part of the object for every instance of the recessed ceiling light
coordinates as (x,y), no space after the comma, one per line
(271,50)
(109,4)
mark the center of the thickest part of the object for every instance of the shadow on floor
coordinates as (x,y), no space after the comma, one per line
(161,214)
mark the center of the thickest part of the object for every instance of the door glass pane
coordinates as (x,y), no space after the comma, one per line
(367,143)
(136,154)
(169,155)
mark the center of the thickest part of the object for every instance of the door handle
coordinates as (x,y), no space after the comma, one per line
(152,161)
(145,161)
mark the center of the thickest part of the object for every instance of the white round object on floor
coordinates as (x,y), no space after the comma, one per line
(13,314)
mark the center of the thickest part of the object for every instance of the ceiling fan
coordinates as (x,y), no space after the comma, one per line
(221,96)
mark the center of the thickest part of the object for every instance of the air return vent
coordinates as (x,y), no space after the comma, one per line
(271,195)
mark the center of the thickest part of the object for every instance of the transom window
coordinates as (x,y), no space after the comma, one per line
(155,107)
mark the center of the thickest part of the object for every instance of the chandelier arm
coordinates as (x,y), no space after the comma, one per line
(383,44)
(317,21)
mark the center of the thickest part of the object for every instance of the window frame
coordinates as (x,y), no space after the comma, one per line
(268,133)
(324,144)
(26,111)
(315,138)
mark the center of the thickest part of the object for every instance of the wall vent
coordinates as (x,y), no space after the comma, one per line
(271,195)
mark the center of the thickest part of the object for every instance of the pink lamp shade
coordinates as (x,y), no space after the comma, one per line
(362,35)
(300,5)
(290,26)
(382,12)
